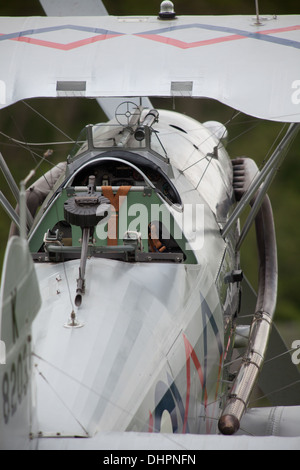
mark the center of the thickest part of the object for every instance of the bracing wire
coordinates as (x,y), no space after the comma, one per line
(47,120)
(62,401)
(286,387)
(100,395)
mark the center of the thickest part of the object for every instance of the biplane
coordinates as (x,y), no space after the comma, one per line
(127,320)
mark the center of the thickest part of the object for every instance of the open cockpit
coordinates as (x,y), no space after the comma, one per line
(123,196)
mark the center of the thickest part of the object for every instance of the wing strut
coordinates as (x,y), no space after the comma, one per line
(9,210)
(15,190)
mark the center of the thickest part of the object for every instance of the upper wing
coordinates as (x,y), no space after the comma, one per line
(254,69)
(73,7)
(89,8)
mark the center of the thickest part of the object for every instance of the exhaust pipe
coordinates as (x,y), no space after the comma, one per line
(229,422)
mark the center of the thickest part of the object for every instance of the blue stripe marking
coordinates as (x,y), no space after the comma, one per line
(30,32)
(206,310)
(224,29)
(207,313)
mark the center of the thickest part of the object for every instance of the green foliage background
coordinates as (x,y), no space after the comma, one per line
(247,136)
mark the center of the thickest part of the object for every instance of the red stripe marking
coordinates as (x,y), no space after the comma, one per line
(153,37)
(188,382)
(190,353)
(208,42)
(186,45)
(65,47)
(280,30)
(151,422)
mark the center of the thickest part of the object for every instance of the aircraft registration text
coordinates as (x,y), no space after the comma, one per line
(15,383)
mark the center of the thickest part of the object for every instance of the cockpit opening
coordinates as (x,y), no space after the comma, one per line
(135,179)
(118,172)
(139,225)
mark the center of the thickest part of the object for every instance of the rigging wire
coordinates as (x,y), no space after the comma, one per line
(26,146)
(36,144)
(205,170)
(108,400)
(244,132)
(205,416)
(273,146)
(20,132)
(279,355)
(47,120)
(61,400)
(235,114)
(275,391)
(23,144)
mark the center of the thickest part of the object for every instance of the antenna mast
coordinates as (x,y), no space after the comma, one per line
(258,22)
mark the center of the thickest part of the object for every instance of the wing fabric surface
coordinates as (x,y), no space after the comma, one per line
(73,7)
(254,69)
(89,8)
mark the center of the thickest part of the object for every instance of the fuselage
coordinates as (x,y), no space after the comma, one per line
(144,349)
